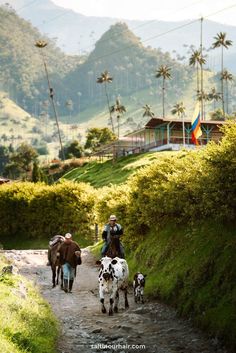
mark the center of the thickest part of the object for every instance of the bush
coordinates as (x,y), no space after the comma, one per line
(40,211)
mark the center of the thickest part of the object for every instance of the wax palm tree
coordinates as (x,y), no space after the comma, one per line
(106,78)
(214,96)
(197,60)
(179,109)
(147,111)
(119,109)
(226,76)
(221,41)
(41,45)
(164,72)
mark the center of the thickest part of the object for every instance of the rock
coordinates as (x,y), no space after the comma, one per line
(7,270)
(97,330)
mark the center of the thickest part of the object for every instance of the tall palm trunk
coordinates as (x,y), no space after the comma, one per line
(227,96)
(118,134)
(222,81)
(51,95)
(197,80)
(163,98)
(108,105)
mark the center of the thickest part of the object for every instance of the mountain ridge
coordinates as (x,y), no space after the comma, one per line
(63,23)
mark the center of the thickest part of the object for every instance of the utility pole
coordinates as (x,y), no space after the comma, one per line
(42,44)
(201,40)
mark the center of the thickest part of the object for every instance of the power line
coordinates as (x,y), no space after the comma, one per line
(144,24)
(145,40)
(162,34)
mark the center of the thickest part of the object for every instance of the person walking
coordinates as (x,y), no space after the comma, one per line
(69,254)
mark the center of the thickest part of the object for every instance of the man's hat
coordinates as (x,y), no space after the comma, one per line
(68,236)
(112,217)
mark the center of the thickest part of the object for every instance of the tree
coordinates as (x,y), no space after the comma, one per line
(217,115)
(147,111)
(74,149)
(226,76)
(42,44)
(106,78)
(119,109)
(196,60)
(221,41)
(179,109)
(214,96)
(97,137)
(20,161)
(4,157)
(164,72)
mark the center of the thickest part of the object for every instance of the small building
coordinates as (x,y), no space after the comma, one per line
(163,135)
(167,134)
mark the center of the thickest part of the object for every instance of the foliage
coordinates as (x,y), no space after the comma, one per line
(97,137)
(27,323)
(39,211)
(4,157)
(37,173)
(74,149)
(192,267)
(20,161)
(217,115)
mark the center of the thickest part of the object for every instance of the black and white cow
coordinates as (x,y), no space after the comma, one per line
(113,276)
(138,286)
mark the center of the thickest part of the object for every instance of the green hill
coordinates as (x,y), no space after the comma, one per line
(21,67)
(131,65)
(100,174)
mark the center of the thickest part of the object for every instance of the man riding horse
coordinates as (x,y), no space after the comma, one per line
(111,236)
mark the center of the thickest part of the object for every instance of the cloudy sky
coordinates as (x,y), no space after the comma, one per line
(155,9)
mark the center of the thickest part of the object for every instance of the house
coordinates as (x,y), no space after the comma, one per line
(167,134)
(161,134)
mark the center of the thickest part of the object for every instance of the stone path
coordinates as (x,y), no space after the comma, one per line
(151,328)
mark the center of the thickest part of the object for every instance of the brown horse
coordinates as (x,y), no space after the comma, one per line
(114,248)
(54,259)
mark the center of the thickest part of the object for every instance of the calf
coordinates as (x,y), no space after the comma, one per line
(138,286)
(113,276)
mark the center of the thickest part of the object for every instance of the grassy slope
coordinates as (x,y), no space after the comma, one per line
(100,174)
(26,320)
(186,267)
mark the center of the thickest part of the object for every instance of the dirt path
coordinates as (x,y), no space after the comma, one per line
(150,328)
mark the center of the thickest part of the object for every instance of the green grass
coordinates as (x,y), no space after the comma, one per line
(100,174)
(194,270)
(27,323)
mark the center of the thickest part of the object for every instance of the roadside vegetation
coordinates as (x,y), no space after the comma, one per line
(27,323)
(178,211)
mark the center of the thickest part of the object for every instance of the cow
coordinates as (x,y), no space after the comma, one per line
(113,277)
(138,286)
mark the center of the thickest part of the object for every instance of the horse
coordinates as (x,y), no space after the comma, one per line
(114,248)
(54,259)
